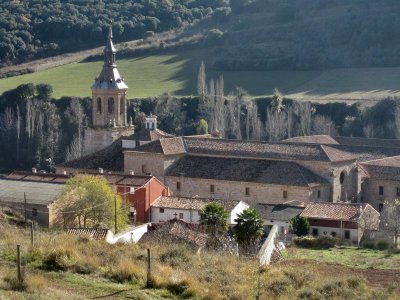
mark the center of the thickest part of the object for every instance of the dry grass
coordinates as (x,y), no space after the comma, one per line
(177,272)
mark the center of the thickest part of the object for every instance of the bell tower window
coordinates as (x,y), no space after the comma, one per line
(99,108)
(110,105)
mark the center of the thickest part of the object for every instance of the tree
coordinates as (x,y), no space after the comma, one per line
(277,101)
(214,216)
(300,226)
(390,218)
(249,227)
(89,201)
(202,127)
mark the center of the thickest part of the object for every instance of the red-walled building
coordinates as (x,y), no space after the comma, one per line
(139,191)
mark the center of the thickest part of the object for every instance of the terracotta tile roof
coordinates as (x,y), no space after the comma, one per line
(193,203)
(278,212)
(358,141)
(333,211)
(312,139)
(173,146)
(148,135)
(92,233)
(249,170)
(385,169)
(367,153)
(110,158)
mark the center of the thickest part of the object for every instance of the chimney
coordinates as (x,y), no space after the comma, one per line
(101,171)
(34,170)
(151,122)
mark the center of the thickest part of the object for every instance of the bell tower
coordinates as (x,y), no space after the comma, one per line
(109,109)
(109,92)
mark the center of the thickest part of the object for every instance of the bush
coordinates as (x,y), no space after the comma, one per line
(174,257)
(127,271)
(59,260)
(309,294)
(300,226)
(322,242)
(368,245)
(382,245)
(12,283)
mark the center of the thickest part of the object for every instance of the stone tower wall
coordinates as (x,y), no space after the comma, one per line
(99,138)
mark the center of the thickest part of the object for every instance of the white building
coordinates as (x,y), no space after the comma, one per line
(187,209)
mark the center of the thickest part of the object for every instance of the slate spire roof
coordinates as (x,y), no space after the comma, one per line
(109,77)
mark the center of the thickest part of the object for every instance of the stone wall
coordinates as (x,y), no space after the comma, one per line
(99,138)
(370,191)
(144,163)
(236,190)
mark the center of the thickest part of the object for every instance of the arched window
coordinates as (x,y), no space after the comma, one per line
(342,177)
(99,108)
(110,105)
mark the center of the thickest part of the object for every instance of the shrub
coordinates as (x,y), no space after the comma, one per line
(59,260)
(300,226)
(299,278)
(382,245)
(279,287)
(127,271)
(12,283)
(174,257)
(322,242)
(368,244)
(34,256)
(309,294)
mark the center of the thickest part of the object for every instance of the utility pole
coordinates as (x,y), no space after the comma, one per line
(25,208)
(115,213)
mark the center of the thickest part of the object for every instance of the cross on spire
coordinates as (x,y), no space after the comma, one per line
(176,215)
(110,33)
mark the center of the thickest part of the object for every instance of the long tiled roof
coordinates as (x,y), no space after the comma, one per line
(386,169)
(113,179)
(367,153)
(110,158)
(333,211)
(278,212)
(248,170)
(312,139)
(41,193)
(193,203)
(246,149)
(358,141)
(92,233)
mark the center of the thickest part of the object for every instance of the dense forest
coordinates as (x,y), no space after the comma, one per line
(38,131)
(40,28)
(247,34)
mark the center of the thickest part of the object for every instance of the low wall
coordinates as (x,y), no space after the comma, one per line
(132,236)
(268,248)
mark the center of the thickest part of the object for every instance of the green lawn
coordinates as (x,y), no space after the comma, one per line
(348,256)
(152,75)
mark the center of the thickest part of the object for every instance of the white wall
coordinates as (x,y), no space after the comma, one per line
(191,216)
(329,230)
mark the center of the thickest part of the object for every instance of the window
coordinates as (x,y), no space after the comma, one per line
(180,215)
(34,212)
(398,191)
(342,177)
(315,231)
(110,105)
(247,191)
(212,188)
(347,234)
(178,185)
(318,194)
(380,207)
(121,105)
(144,169)
(161,210)
(99,108)
(381,190)
(284,194)
(333,234)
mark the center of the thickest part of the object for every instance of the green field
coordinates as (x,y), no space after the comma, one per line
(153,75)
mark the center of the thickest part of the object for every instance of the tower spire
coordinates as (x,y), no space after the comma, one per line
(110,33)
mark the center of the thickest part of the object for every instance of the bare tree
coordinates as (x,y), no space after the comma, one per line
(201,81)
(276,125)
(397,121)
(304,112)
(369,131)
(323,125)
(390,218)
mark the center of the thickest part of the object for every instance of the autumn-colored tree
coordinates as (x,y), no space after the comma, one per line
(89,201)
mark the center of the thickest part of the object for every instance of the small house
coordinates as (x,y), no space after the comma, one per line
(342,220)
(188,209)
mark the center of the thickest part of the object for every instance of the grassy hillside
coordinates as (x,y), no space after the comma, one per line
(152,75)
(66,267)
